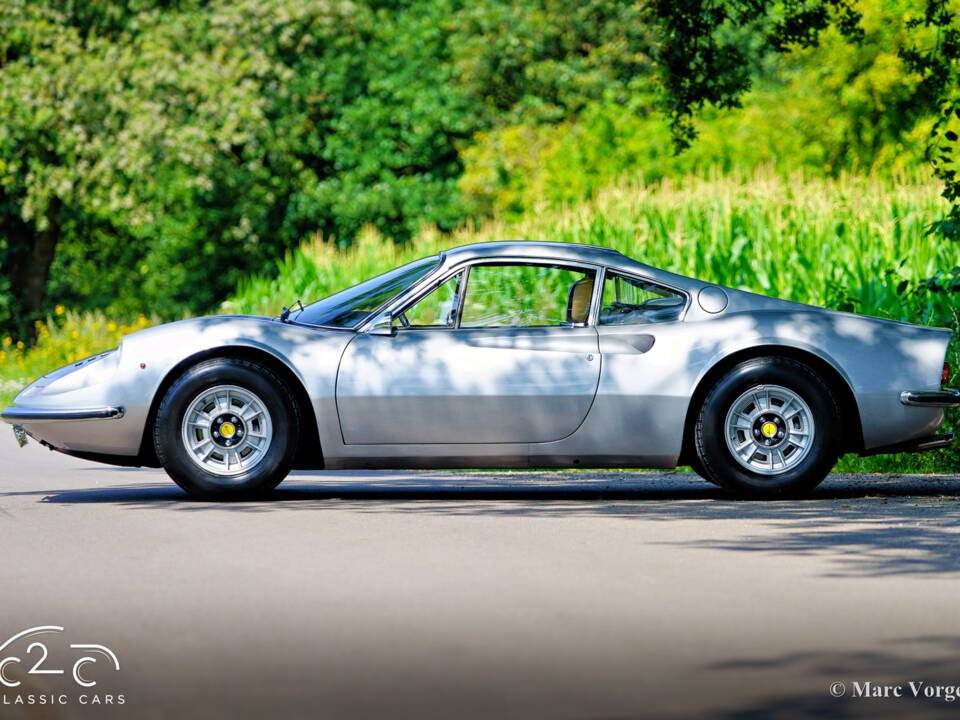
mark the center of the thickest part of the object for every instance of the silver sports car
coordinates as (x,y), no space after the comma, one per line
(505,355)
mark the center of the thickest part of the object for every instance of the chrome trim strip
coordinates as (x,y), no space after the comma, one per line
(947,397)
(19,414)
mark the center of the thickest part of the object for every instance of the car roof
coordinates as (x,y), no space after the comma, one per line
(537,249)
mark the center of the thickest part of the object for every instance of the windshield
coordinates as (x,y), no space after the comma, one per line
(348,308)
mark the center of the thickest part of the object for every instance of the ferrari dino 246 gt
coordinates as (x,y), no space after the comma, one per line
(505,355)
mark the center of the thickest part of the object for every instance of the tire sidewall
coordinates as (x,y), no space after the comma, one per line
(711,440)
(169,439)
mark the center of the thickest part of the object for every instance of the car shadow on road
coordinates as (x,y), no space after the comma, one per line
(868,525)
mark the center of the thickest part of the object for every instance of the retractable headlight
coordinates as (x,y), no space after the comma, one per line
(82,373)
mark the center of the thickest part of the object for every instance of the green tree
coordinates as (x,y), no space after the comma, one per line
(154,152)
(134,140)
(857,111)
(700,62)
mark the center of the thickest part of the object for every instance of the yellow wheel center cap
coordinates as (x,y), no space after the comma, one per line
(227,430)
(768,429)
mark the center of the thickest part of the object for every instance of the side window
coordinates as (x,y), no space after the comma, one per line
(632,301)
(520,295)
(438,309)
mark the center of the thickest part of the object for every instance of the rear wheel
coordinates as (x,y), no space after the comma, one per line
(227,427)
(770,427)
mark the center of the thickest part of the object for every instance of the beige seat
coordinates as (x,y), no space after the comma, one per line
(578,300)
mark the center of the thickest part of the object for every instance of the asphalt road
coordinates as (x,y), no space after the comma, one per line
(493,594)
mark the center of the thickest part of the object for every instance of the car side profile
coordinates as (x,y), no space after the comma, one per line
(505,355)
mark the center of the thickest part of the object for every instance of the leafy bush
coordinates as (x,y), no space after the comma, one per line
(834,108)
(153,153)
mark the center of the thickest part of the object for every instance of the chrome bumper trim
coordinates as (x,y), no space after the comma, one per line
(947,397)
(20,415)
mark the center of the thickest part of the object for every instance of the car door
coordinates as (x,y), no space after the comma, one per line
(498,353)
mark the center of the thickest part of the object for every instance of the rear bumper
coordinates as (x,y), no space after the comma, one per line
(946,398)
(21,415)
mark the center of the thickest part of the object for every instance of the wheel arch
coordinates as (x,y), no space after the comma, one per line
(851,420)
(309,455)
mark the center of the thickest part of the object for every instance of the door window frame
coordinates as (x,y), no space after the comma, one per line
(415,295)
(433,287)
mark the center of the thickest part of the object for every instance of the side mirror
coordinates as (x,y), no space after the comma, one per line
(383,325)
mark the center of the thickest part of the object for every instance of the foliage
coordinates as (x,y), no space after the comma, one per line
(156,152)
(853,112)
(123,147)
(700,61)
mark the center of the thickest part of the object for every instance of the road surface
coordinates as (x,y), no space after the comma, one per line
(485,594)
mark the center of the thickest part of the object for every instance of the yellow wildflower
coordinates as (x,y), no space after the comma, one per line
(60,310)
(19,344)
(7,341)
(111,326)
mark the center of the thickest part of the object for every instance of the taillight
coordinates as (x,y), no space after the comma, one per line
(946,374)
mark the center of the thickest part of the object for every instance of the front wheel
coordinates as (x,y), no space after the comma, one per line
(227,427)
(770,427)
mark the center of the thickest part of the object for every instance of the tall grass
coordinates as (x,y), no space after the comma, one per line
(810,240)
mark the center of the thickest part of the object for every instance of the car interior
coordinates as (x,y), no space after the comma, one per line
(632,301)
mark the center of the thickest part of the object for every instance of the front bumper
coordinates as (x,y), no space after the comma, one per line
(946,398)
(21,414)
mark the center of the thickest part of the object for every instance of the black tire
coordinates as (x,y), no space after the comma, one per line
(718,461)
(697,467)
(278,455)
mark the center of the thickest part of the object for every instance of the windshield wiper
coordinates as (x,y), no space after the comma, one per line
(285,315)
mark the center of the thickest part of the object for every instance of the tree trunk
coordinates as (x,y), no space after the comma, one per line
(33,254)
